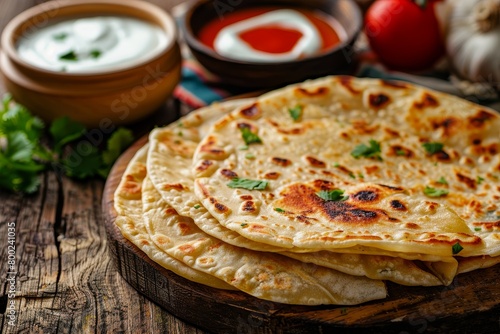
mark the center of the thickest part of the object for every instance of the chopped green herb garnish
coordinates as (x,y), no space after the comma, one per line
(336,165)
(95,53)
(361,176)
(244,224)
(60,37)
(23,153)
(64,130)
(180,124)
(433,147)
(433,192)
(456,248)
(296,112)
(279,210)
(249,137)
(477,229)
(372,151)
(180,134)
(197,206)
(71,55)
(332,195)
(247,184)
(400,152)
(442,180)
(352,175)
(243,148)
(249,156)
(480,180)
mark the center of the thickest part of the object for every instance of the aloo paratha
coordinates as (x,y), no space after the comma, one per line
(264,275)
(420,169)
(168,171)
(130,221)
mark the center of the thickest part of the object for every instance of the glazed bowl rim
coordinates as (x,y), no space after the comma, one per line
(7,40)
(193,41)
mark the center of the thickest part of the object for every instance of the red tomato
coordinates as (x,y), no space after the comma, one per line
(403,34)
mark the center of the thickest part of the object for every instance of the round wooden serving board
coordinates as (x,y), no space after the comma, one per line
(471,304)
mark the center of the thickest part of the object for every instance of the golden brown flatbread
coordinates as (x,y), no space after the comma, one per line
(417,171)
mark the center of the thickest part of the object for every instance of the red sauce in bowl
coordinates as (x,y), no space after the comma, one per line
(272,38)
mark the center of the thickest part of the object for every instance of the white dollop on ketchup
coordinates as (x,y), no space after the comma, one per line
(229,43)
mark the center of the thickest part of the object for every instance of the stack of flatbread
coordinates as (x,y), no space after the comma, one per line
(319,192)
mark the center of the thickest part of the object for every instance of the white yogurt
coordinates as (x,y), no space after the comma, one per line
(89,45)
(229,44)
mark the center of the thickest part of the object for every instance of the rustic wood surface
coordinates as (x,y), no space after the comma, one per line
(67,282)
(471,304)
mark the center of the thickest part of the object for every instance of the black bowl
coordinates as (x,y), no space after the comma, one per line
(338,60)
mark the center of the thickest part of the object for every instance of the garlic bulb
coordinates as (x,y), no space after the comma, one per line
(473,39)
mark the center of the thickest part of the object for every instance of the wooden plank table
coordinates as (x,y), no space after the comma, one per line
(65,281)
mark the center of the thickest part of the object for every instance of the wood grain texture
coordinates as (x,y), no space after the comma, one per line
(471,304)
(66,281)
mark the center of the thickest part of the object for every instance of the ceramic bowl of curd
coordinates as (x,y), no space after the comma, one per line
(267,44)
(99,62)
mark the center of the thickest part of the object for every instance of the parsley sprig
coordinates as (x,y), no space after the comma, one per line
(247,184)
(433,147)
(249,137)
(433,192)
(367,151)
(296,112)
(332,195)
(24,152)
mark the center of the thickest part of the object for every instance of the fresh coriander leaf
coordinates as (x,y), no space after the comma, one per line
(18,148)
(18,118)
(64,130)
(401,152)
(19,181)
(352,176)
(243,148)
(280,210)
(60,36)
(456,248)
(433,192)
(243,224)
(480,180)
(296,112)
(42,153)
(249,137)
(477,229)
(6,101)
(95,53)
(247,184)
(117,143)
(197,206)
(70,55)
(433,147)
(249,156)
(81,167)
(372,151)
(442,180)
(361,176)
(332,195)
(336,165)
